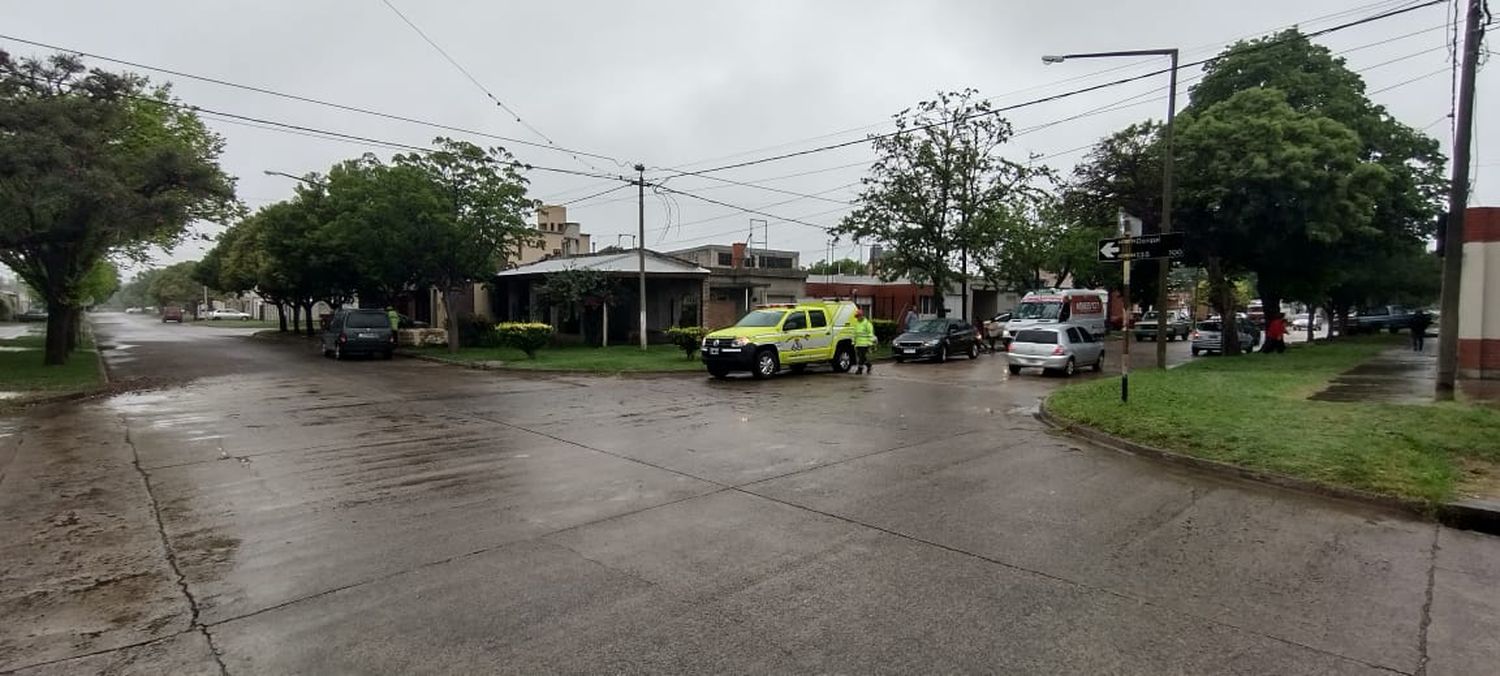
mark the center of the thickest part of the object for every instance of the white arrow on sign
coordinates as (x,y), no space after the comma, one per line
(1109,250)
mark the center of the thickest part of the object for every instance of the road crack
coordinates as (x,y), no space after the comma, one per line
(1427,604)
(195,622)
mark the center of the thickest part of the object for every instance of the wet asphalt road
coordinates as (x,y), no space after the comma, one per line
(396,517)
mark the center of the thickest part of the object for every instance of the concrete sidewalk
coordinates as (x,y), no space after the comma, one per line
(1403,376)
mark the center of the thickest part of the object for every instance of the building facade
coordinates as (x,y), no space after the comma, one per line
(739,278)
(560,237)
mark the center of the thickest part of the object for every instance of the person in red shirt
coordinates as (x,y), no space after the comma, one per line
(1276,334)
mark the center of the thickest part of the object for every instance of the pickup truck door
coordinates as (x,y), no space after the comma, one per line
(791,345)
(819,343)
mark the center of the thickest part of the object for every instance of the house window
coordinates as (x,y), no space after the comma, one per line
(726,260)
(775,262)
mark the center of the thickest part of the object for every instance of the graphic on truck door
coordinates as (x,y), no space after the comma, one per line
(794,336)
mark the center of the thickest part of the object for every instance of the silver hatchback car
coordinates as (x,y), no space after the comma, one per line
(1061,348)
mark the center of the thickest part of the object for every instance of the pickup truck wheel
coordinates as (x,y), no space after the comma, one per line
(843,359)
(766,364)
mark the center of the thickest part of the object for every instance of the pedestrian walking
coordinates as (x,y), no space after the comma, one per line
(909,318)
(864,339)
(1419,324)
(393,317)
(1276,334)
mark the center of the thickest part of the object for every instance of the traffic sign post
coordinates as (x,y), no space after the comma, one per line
(1122,250)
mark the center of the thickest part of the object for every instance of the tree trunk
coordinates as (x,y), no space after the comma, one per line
(58,321)
(1222,293)
(1312,320)
(281,315)
(310,325)
(937,297)
(75,327)
(452,320)
(296,317)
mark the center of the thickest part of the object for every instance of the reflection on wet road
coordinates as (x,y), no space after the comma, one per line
(370,516)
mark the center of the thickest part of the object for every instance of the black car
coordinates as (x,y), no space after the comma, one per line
(353,332)
(936,339)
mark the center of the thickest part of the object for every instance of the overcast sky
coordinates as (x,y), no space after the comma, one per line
(686,82)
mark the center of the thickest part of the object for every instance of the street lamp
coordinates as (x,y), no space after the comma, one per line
(1166,181)
(303,179)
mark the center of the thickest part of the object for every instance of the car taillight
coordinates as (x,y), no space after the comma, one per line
(343,338)
(1057,351)
(1195,335)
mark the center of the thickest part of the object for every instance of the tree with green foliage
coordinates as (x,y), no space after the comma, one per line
(1123,172)
(1261,182)
(842,266)
(102,282)
(92,164)
(1026,242)
(175,285)
(583,291)
(928,192)
(1401,214)
(480,224)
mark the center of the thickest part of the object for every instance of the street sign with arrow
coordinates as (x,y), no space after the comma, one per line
(1166,245)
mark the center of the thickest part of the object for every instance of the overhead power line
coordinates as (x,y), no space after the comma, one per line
(304,99)
(465,71)
(1069,93)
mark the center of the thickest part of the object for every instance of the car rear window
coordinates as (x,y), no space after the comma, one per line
(367,320)
(1043,337)
(1209,326)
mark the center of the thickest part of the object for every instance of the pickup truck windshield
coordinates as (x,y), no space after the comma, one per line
(761,318)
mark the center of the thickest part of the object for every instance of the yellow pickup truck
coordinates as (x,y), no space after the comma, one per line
(771,337)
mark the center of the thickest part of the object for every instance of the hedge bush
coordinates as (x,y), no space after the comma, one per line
(689,338)
(476,331)
(886,330)
(527,337)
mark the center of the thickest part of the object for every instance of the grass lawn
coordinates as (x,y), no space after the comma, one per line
(1253,411)
(21,369)
(612,359)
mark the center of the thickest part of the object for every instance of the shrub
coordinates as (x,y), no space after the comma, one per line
(527,337)
(886,330)
(476,331)
(689,338)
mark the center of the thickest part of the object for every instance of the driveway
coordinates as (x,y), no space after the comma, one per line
(392,517)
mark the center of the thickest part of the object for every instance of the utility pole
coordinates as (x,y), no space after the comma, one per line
(640,248)
(1164,266)
(1458,202)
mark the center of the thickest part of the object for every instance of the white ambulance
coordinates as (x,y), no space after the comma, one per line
(1088,308)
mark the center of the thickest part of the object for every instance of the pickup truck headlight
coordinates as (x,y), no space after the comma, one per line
(741,341)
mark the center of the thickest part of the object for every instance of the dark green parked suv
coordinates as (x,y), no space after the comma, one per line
(354,332)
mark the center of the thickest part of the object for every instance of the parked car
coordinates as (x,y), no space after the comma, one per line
(171,313)
(1208,337)
(228,314)
(1062,348)
(1390,318)
(33,315)
(1300,322)
(132,311)
(359,331)
(1244,323)
(936,339)
(1177,326)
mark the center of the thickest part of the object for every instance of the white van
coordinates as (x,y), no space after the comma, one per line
(1088,308)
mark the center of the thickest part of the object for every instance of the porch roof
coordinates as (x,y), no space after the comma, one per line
(614,263)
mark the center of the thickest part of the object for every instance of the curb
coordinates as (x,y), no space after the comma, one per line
(1476,515)
(485,366)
